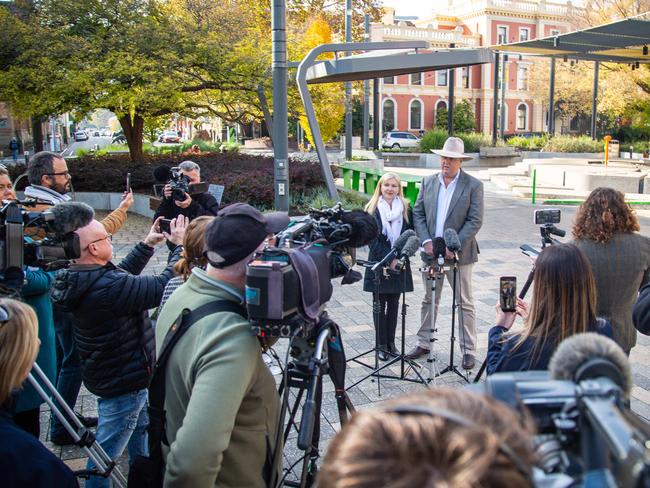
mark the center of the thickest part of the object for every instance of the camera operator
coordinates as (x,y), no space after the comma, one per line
(50,181)
(221,406)
(564,304)
(438,438)
(192,206)
(113,330)
(607,231)
(24,461)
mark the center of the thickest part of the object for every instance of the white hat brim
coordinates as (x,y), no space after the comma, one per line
(451,154)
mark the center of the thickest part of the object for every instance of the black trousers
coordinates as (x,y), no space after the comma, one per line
(387,322)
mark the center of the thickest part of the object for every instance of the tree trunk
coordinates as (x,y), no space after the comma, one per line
(37,134)
(133,131)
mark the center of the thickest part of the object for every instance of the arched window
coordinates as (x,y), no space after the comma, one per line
(415,115)
(440,115)
(388,115)
(522,117)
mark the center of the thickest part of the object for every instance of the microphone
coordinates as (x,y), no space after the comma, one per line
(162,172)
(440,250)
(451,240)
(408,250)
(590,355)
(363,227)
(67,217)
(400,242)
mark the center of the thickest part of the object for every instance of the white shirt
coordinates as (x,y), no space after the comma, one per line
(442,205)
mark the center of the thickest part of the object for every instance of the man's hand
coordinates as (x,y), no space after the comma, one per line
(504,319)
(127,200)
(177,227)
(184,203)
(448,254)
(154,237)
(393,263)
(428,248)
(167,191)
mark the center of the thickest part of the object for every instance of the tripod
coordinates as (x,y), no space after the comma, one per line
(82,437)
(376,371)
(312,358)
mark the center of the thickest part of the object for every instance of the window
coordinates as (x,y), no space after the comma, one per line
(522,78)
(441,105)
(389,80)
(388,115)
(464,77)
(441,78)
(415,115)
(524,34)
(522,116)
(502,35)
(416,78)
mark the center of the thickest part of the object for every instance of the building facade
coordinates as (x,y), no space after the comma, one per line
(410,102)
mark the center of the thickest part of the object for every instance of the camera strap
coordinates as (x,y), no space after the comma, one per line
(149,471)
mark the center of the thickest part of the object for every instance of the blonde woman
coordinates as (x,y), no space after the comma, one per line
(393,216)
(24,461)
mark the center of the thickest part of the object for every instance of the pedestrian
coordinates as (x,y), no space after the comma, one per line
(14,147)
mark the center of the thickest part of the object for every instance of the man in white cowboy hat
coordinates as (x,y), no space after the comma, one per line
(451,199)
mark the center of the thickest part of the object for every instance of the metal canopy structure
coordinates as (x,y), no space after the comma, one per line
(622,41)
(395,58)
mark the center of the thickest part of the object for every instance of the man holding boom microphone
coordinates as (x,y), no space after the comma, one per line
(449,201)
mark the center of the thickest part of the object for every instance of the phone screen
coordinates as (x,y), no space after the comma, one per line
(164,226)
(128,182)
(508,293)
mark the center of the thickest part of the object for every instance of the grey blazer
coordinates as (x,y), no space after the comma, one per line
(621,266)
(465,213)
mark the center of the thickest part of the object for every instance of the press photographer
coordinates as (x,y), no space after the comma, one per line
(184,193)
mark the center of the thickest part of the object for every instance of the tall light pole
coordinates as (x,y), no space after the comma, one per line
(348,85)
(366,91)
(280,122)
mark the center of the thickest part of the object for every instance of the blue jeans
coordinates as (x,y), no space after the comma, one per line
(123,421)
(68,381)
(14,154)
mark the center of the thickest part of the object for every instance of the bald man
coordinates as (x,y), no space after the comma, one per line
(113,331)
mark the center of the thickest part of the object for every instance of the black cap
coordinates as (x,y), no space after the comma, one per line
(237,231)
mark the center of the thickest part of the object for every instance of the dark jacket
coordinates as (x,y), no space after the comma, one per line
(641,311)
(377,249)
(202,204)
(502,358)
(25,462)
(111,324)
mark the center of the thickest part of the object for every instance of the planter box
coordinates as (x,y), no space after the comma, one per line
(498,152)
(549,155)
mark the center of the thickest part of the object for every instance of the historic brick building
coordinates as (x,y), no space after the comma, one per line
(410,102)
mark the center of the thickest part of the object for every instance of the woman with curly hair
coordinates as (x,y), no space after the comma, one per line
(606,230)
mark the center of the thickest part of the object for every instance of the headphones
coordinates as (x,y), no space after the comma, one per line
(455,418)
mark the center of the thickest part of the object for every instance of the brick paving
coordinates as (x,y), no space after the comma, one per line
(508,223)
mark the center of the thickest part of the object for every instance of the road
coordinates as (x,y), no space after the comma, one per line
(87,145)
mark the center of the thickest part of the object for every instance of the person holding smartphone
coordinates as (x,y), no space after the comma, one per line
(563,304)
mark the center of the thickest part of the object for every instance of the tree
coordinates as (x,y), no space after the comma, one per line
(154,125)
(464,119)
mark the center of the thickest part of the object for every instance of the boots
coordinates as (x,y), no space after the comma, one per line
(392,349)
(382,352)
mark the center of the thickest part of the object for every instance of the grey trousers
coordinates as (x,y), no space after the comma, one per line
(465,318)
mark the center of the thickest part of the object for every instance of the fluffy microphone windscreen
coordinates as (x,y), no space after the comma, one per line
(363,227)
(162,172)
(70,216)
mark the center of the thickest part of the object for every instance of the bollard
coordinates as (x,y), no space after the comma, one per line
(607,139)
(534,185)
(26,157)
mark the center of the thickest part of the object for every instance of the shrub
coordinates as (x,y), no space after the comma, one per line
(319,197)
(246,178)
(535,143)
(474,141)
(433,139)
(571,144)
(464,119)
(204,146)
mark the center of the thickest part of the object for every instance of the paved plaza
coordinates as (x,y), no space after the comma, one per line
(508,223)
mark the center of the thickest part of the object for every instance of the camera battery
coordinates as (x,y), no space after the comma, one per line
(272,290)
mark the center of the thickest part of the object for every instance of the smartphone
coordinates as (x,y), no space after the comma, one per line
(165,225)
(547,216)
(128,182)
(508,293)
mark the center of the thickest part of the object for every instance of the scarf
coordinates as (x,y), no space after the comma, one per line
(46,194)
(391,218)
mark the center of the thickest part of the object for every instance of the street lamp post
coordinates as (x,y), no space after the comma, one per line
(280,122)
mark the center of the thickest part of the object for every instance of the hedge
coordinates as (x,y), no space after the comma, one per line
(246,178)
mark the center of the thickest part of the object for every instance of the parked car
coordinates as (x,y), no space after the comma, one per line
(397,140)
(81,135)
(169,136)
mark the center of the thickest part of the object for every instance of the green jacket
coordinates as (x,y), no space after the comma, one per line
(221,403)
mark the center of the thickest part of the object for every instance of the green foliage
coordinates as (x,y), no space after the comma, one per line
(357,118)
(204,146)
(474,141)
(464,119)
(154,125)
(572,144)
(535,143)
(318,198)
(433,139)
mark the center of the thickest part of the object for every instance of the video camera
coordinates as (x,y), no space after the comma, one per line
(40,239)
(547,219)
(288,286)
(586,433)
(179,182)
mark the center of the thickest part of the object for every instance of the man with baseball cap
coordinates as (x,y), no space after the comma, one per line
(221,405)
(451,199)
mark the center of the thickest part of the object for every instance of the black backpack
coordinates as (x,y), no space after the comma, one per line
(148,472)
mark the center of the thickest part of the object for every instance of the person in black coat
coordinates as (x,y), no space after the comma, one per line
(564,304)
(24,461)
(113,331)
(393,218)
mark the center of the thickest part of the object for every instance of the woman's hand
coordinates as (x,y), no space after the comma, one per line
(522,309)
(504,319)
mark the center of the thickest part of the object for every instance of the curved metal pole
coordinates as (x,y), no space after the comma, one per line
(301,80)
